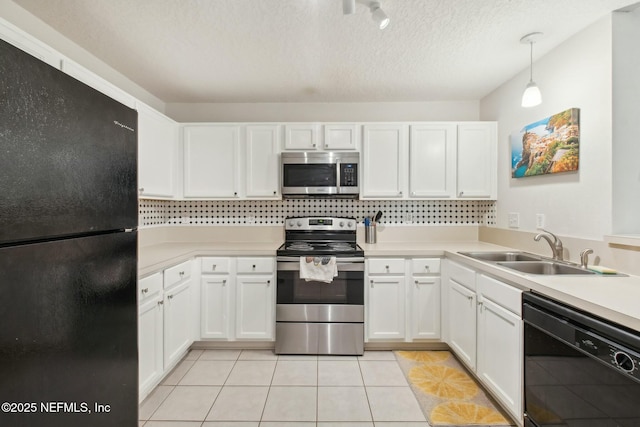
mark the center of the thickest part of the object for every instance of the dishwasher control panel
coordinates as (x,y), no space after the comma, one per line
(622,358)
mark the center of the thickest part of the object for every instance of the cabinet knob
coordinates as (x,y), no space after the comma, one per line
(169,296)
(253,266)
(417,283)
(141,189)
(213,267)
(372,283)
(145,290)
(313,145)
(275,192)
(387,267)
(426,267)
(181,273)
(469,298)
(268,282)
(224,282)
(460,194)
(160,302)
(400,193)
(235,193)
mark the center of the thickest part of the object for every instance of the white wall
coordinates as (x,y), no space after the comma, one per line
(626,114)
(575,74)
(325,112)
(43,32)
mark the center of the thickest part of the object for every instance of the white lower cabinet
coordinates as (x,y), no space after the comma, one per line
(178,313)
(237,298)
(255,304)
(150,332)
(215,294)
(425,307)
(500,341)
(485,331)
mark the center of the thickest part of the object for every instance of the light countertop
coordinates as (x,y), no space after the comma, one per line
(615,298)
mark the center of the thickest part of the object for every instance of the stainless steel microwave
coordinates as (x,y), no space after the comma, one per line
(324,174)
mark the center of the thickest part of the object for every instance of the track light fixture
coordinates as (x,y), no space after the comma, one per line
(377,14)
(531,96)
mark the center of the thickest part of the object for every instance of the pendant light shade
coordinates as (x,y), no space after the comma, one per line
(378,15)
(531,96)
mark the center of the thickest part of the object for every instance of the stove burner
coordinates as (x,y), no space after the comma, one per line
(341,246)
(299,246)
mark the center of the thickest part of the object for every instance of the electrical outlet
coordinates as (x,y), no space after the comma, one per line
(514,220)
(184,220)
(540,221)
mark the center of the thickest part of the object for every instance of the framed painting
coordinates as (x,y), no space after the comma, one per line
(548,146)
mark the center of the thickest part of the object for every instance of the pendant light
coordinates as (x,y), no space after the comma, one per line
(378,15)
(348,7)
(531,96)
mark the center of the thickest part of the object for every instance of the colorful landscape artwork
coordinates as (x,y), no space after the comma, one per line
(550,145)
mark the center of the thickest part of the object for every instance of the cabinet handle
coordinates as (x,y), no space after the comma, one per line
(181,273)
(275,192)
(426,267)
(141,189)
(400,193)
(169,296)
(160,302)
(235,193)
(480,305)
(224,282)
(372,283)
(145,290)
(213,267)
(469,298)
(253,266)
(313,145)
(417,283)
(460,194)
(268,282)
(387,267)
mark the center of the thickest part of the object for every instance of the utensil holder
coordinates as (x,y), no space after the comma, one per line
(370,234)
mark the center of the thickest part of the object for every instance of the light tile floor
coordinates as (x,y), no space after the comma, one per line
(256,388)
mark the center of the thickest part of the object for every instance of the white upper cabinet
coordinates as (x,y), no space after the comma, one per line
(301,136)
(98,83)
(23,41)
(263,165)
(340,136)
(476,160)
(384,157)
(211,161)
(157,153)
(432,160)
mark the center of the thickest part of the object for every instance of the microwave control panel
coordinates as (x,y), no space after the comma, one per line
(349,175)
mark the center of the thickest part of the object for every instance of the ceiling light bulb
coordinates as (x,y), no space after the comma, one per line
(378,15)
(531,96)
(348,7)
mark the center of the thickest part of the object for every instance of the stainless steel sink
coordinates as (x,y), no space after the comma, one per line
(502,256)
(544,267)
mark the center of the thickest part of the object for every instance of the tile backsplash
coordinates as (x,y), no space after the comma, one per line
(273,212)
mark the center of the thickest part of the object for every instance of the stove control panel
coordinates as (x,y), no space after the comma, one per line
(321,223)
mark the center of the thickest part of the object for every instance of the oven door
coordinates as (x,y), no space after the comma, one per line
(570,375)
(345,289)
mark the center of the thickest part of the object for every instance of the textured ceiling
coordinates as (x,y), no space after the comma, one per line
(308,51)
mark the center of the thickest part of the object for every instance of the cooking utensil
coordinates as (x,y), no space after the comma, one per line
(378,216)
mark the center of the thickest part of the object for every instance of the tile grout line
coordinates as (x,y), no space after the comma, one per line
(221,387)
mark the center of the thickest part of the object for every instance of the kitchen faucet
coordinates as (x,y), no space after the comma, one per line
(556,244)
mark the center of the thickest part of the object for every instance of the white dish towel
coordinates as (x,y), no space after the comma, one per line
(318,269)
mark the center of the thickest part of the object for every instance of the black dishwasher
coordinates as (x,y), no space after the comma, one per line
(579,370)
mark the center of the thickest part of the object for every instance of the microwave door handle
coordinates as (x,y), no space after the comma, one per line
(339,170)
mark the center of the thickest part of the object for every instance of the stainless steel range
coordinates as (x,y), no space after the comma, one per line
(312,316)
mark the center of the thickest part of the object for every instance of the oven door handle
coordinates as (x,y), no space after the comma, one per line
(342,266)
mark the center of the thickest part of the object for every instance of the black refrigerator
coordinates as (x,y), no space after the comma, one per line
(68,249)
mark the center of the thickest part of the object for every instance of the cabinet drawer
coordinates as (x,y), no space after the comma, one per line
(176,274)
(425,266)
(386,266)
(216,265)
(501,293)
(149,286)
(463,275)
(255,265)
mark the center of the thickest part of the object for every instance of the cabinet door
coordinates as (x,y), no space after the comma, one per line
(500,354)
(178,326)
(150,331)
(384,148)
(302,136)
(340,136)
(476,157)
(211,161)
(385,310)
(157,153)
(432,161)
(425,310)
(255,307)
(462,323)
(216,303)
(263,166)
